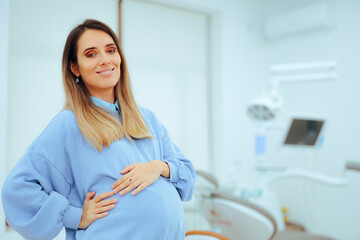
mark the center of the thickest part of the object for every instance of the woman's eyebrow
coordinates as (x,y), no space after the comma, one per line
(91,48)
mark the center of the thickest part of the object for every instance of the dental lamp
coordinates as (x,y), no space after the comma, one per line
(263,109)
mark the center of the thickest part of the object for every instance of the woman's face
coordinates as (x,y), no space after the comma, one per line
(98,63)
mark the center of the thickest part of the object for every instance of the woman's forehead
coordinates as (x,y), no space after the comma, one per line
(93,38)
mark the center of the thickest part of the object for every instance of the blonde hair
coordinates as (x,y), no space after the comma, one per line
(97,126)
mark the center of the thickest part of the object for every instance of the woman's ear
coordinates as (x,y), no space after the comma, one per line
(74,69)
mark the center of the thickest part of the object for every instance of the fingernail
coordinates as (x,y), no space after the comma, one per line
(121,193)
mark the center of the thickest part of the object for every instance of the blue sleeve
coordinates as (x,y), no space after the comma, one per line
(182,172)
(34,199)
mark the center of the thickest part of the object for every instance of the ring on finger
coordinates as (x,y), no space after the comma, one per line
(130,179)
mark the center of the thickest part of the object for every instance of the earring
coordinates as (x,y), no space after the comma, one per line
(77,80)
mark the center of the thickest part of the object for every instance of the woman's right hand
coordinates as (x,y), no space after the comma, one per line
(95,207)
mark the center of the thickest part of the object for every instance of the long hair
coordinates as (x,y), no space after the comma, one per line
(99,127)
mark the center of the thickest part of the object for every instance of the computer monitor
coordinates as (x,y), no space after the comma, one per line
(304,132)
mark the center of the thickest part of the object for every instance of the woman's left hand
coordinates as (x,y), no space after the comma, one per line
(139,176)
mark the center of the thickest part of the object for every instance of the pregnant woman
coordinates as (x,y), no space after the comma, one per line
(103,168)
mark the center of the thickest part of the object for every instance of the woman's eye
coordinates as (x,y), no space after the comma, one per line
(90,55)
(112,50)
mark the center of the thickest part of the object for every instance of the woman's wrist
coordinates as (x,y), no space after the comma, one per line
(165,170)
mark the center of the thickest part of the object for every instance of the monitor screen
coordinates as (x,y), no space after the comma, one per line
(303,132)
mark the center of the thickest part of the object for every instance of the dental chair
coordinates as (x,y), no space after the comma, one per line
(240,219)
(204,235)
(350,165)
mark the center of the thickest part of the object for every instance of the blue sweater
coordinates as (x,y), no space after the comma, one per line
(46,190)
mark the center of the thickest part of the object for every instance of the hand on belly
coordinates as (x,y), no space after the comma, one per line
(139,176)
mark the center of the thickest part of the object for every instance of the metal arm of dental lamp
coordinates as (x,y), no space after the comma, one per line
(309,175)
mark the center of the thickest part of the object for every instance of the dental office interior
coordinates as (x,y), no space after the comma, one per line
(259,94)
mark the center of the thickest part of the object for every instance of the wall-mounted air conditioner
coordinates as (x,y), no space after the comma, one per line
(313,17)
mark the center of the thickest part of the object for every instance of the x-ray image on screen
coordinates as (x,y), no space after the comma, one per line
(303,132)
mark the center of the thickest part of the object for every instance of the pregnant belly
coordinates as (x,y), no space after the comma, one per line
(154,213)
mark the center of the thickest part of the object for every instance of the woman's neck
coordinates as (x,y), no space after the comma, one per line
(105,96)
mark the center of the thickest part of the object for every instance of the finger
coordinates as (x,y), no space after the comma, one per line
(128,168)
(123,185)
(121,180)
(106,202)
(139,188)
(90,195)
(101,196)
(101,215)
(129,188)
(105,209)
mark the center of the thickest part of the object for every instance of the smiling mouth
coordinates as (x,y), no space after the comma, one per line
(106,72)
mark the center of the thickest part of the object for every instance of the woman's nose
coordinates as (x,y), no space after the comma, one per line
(104,59)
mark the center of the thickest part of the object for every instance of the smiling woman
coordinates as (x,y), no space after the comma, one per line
(77,174)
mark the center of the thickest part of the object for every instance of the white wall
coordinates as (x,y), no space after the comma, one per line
(4,28)
(158,58)
(324,210)
(238,68)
